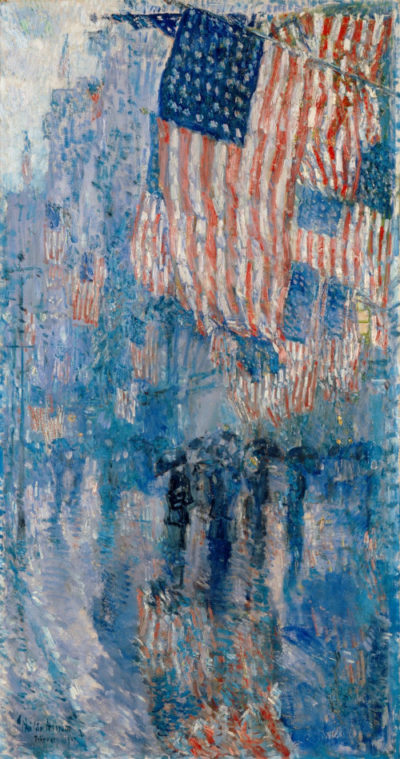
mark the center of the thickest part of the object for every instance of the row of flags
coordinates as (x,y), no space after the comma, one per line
(270,154)
(74,293)
(85,283)
(332,364)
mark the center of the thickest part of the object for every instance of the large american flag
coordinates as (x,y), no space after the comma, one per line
(243,124)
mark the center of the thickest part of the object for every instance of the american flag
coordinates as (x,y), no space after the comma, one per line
(55,241)
(150,360)
(179,358)
(230,197)
(333,363)
(87,284)
(223,168)
(322,348)
(50,425)
(150,251)
(350,242)
(30,330)
(344,111)
(55,235)
(243,124)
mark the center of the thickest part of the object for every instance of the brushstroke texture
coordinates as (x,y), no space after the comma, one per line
(199,515)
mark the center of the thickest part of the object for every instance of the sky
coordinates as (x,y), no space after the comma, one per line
(33,34)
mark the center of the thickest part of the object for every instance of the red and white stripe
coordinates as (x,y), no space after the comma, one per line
(161,360)
(150,361)
(30,330)
(359,255)
(230,254)
(126,403)
(55,242)
(56,277)
(230,211)
(62,369)
(274,396)
(50,425)
(344,113)
(231,220)
(86,294)
(332,363)
(149,249)
(340,366)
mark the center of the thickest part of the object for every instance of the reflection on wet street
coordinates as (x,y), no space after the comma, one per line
(189,620)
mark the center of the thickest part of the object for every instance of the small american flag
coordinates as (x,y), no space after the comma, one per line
(55,244)
(352,242)
(30,330)
(150,360)
(150,250)
(126,403)
(179,358)
(48,424)
(87,283)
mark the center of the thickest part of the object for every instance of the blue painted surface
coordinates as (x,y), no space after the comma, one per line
(376,182)
(335,307)
(285,517)
(318,212)
(302,293)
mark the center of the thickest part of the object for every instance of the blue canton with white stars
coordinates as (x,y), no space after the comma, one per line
(303,291)
(335,308)
(318,212)
(210,77)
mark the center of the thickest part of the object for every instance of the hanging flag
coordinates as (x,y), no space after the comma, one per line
(48,424)
(87,284)
(352,242)
(150,257)
(236,117)
(324,351)
(344,113)
(256,244)
(232,128)
(30,330)
(150,359)
(55,235)
(299,303)
(172,356)
(126,403)
(152,263)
